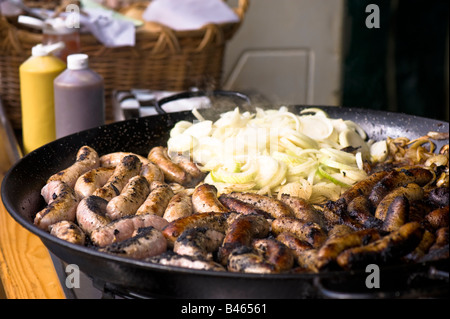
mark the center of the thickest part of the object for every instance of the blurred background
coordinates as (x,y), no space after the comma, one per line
(321,52)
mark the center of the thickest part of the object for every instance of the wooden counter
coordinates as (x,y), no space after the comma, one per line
(26,268)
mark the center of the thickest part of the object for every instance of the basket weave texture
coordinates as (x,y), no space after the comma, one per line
(162,58)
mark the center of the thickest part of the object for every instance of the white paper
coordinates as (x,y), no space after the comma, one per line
(184,15)
(109,31)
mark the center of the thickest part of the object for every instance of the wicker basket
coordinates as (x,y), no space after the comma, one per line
(162,59)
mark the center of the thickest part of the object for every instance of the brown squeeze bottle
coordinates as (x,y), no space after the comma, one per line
(79,97)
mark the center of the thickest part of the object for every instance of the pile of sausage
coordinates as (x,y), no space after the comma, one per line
(157,209)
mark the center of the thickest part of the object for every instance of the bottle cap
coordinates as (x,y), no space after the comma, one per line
(43,50)
(31,22)
(77,61)
(57,26)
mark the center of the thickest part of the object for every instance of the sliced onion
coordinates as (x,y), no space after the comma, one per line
(181,143)
(317,127)
(321,171)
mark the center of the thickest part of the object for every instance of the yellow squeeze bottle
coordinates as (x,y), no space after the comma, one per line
(36,92)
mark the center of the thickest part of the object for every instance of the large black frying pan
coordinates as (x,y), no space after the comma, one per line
(21,196)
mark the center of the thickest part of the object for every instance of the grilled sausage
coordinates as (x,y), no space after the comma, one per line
(157,201)
(293,242)
(384,250)
(198,242)
(169,258)
(270,205)
(91,213)
(439,196)
(61,206)
(397,178)
(312,233)
(363,187)
(216,221)
(187,165)
(114,159)
(308,260)
(329,251)
(129,166)
(149,170)
(204,200)
(438,218)
(397,214)
(275,253)
(172,172)
(411,192)
(180,205)
(442,238)
(130,199)
(360,210)
(244,259)
(68,231)
(238,206)
(427,241)
(87,159)
(124,228)
(241,232)
(147,242)
(152,172)
(91,180)
(302,209)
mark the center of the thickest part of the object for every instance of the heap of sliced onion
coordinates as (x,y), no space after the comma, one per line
(277,151)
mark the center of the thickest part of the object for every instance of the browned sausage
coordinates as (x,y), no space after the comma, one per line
(61,206)
(129,166)
(68,231)
(170,258)
(312,233)
(427,241)
(95,178)
(198,242)
(438,218)
(275,253)
(87,159)
(180,205)
(204,200)
(190,168)
(91,213)
(397,214)
(244,259)
(363,187)
(302,209)
(113,159)
(397,178)
(241,232)
(293,242)
(156,202)
(152,172)
(130,199)
(146,243)
(172,172)
(216,221)
(270,205)
(360,210)
(329,251)
(238,206)
(411,192)
(384,250)
(124,228)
